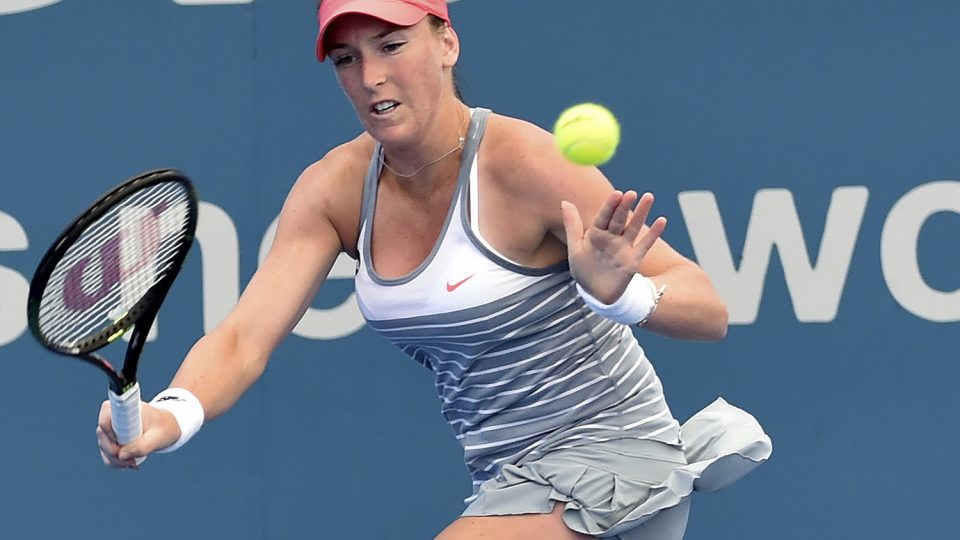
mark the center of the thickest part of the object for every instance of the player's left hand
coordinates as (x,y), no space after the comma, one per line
(605,256)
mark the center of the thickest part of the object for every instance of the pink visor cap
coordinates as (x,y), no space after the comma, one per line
(398,12)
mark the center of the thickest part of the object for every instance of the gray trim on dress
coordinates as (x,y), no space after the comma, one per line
(472,142)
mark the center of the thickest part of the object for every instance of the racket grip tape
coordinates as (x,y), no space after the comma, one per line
(125,414)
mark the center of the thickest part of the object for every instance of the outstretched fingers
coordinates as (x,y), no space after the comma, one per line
(639,218)
(605,214)
(646,241)
(622,209)
(642,240)
(616,218)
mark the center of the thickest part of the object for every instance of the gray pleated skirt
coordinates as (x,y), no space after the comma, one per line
(631,489)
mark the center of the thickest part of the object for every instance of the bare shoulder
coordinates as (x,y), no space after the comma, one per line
(521,159)
(319,216)
(331,189)
(513,145)
(530,178)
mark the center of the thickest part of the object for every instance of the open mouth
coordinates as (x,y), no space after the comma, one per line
(384,107)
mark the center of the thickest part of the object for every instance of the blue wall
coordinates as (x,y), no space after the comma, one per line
(825,128)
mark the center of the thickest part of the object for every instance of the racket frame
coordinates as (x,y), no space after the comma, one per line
(140,317)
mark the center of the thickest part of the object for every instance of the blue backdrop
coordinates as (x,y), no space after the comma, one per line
(805,153)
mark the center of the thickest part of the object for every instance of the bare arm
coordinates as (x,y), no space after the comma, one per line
(225,363)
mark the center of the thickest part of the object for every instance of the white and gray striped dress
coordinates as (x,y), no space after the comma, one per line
(522,366)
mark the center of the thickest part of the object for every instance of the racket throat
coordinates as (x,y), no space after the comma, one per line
(138,337)
(120,387)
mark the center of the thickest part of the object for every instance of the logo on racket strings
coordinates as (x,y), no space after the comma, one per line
(129,258)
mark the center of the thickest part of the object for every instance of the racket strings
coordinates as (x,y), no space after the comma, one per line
(107,310)
(95,240)
(70,321)
(105,228)
(113,267)
(114,263)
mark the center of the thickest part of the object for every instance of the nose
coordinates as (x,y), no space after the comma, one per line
(374,73)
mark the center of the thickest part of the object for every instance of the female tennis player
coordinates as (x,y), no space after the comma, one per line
(476,261)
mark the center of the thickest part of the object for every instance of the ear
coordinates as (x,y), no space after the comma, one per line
(451,47)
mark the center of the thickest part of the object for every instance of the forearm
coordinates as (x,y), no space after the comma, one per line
(690,308)
(218,371)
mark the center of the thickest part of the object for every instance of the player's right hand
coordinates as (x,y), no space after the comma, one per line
(160,430)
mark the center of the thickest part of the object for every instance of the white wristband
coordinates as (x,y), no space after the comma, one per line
(635,306)
(186,408)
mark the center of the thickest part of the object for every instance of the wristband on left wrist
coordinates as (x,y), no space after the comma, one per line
(635,306)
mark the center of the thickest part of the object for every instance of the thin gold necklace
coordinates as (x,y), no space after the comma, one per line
(459,146)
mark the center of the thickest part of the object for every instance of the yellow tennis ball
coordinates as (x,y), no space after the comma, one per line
(587,134)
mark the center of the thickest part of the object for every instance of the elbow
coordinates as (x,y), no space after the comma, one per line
(716,315)
(719,320)
(722,322)
(719,333)
(709,324)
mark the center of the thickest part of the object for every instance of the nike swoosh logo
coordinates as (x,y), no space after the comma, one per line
(453,287)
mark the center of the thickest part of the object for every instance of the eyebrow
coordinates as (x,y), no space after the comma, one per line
(381,35)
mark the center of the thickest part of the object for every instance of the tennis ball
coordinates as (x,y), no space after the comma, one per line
(587,134)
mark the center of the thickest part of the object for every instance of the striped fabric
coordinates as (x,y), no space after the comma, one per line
(521,365)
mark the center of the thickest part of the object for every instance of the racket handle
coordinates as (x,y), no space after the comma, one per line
(125,412)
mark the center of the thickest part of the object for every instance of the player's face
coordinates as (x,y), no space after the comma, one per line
(393,75)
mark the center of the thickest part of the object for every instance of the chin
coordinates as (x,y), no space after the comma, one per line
(396,136)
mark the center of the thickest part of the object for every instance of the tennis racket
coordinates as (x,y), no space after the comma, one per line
(107,273)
